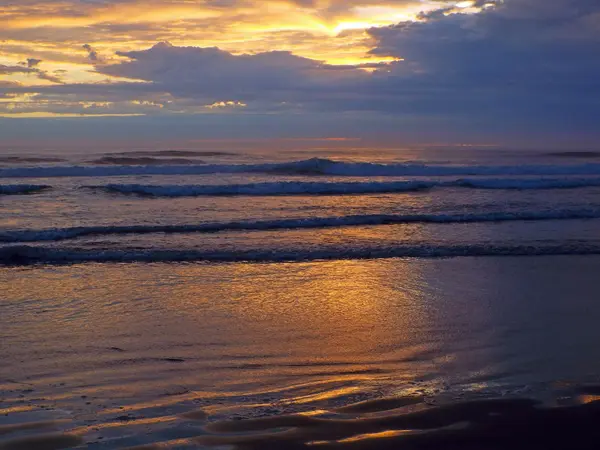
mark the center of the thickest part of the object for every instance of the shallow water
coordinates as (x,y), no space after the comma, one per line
(121,351)
(129,320)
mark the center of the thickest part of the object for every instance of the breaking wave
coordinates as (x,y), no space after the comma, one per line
(16,189)
(317,188)
(60,234)
(25,255)
(314,166)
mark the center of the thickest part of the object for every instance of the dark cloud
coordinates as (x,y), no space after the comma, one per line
(31,62)
(92,54)
(8,70)
(41,74)
(517,64)
(212,74)
(522,59)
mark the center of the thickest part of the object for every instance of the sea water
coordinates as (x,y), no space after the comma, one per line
(156,295)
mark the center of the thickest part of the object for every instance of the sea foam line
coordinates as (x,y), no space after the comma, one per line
(59,234)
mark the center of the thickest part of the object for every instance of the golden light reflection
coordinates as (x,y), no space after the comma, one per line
(379,435)
(333,311)
(588,398)
(307,333)
(334,317)
(319,396)
(364,437)
(16,409)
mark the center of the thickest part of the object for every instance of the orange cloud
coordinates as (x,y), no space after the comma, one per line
(76,39)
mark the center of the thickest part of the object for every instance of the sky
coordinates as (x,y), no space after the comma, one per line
(420,70)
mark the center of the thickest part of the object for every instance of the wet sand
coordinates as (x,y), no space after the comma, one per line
(495,424)
(492,424)
(464,353)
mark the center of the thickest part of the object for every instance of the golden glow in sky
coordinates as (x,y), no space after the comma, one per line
(56,31)
(71,42)
(332,65)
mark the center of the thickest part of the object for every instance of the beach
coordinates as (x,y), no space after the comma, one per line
(422,314)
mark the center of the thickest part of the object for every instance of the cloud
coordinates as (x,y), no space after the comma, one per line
(212,75)
(92,54)
(520,60)
(517,60)
(498,65)
(19,69)
(227,104)
(193,80)
(8,84)
(7,70)
(32,62)
(300,26)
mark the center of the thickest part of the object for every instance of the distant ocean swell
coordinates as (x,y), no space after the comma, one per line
(60,234)
(342,188)
(16,189)
(315,166)
(26,255)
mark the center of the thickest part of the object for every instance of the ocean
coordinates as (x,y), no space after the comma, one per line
(321,296)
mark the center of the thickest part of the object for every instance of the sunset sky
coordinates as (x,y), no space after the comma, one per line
(448,69)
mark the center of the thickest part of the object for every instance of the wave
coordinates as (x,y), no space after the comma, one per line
(267,189)
(25,255)
(141,161)
(178,153)
(60,234)
(16,189)
(340,188)
(527,184)
(318,166)
(314,166)
(574,154)
(316,188)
